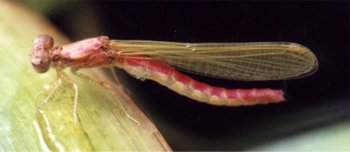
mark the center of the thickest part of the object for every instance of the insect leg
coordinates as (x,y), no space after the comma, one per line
(52,91)
(105,85)
(76,94)
(115,77)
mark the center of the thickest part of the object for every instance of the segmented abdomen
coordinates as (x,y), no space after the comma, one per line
(146,68)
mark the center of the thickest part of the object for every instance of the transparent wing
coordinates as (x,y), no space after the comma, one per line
(235,61)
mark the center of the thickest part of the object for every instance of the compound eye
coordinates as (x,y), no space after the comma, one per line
(40,65)
(40,56)
(44,42)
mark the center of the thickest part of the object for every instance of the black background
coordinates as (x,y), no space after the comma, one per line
(312,102)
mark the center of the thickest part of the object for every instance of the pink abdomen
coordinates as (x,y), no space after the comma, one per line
(146,68)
